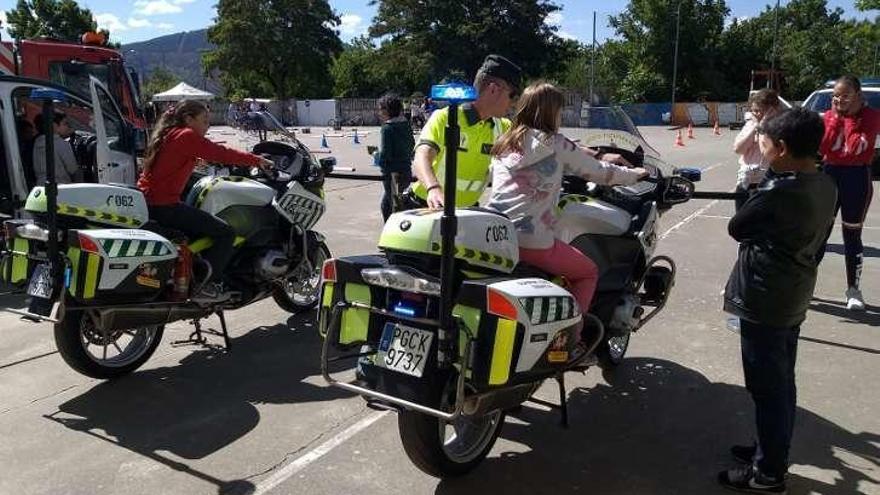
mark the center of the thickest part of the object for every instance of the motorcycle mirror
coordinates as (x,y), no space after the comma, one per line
(690,173)
(328,164)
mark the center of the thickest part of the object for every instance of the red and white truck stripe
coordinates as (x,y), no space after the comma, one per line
(7,58)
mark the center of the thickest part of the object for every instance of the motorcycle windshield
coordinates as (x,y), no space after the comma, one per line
(611,127)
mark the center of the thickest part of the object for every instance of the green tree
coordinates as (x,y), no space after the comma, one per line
(60,19)
(160,80)
(815,44)
(868,4)
(278,48)
(435,38)
(650,27)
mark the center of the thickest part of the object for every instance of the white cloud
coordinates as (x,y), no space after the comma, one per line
(110,22)
(554,19)
(183,2)
(136,23)
(351,24)
(3,17)
(164,26)
(566,35)
(156,7)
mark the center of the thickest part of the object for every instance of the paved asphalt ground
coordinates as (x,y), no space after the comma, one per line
(261,420)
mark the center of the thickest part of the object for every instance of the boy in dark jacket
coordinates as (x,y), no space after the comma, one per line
(395,151)
(781,229)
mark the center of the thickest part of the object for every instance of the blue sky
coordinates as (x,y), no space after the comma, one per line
(138,20)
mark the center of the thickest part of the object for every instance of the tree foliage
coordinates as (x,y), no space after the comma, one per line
(430,40)
(160,80)
(277,48)
(58,19)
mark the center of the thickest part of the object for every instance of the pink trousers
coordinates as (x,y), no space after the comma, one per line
(578,270)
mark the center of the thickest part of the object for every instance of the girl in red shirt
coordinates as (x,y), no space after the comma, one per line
(176,144)
(847,149)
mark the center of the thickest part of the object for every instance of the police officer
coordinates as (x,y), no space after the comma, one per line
(482,122)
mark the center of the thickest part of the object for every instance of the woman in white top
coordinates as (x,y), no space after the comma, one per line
(527,167)
(763,105)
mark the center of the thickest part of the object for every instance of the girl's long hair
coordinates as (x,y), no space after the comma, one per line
(172,118)
(538,108)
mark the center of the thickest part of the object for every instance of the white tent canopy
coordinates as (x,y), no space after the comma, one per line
(183,91)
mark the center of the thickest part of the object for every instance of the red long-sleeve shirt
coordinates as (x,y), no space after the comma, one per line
(850,140)
(176,159)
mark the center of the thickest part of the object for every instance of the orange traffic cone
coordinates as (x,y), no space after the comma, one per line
(678,140)
(717,130)
(691,130)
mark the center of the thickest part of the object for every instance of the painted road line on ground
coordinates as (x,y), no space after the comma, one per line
(285,472)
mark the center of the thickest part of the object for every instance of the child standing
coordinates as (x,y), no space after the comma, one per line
(781,229)
(395,153)
(528,163)
(763,105)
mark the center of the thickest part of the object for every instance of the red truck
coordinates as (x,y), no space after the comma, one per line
(71,65)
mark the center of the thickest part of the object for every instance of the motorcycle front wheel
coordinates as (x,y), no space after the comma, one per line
(446,449)
(102,354)
(301,291)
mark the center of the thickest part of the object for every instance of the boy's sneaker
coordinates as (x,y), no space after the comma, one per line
(210,293)
(854,299)
(744,454)
(750,480)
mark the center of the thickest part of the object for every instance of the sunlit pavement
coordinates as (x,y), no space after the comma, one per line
(261,420)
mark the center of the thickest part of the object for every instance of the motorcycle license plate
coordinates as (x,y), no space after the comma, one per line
(40,284)
(404,349)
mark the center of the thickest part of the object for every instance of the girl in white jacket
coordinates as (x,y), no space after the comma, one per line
(527,168)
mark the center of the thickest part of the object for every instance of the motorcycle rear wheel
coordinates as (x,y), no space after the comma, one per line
(448,449)
(116,352)
(298,294)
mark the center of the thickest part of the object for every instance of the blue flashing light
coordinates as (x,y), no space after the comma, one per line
(404,310)
(454,93)
(67,277)
(48,94)
(690,173)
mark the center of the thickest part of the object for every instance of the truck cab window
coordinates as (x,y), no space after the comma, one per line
(79,116)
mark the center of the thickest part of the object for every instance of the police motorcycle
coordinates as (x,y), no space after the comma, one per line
(110,280)
(448,330)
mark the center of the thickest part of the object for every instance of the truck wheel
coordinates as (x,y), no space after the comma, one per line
(447,449)
(104,355)
(302,290)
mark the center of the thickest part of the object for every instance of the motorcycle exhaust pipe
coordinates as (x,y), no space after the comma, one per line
(127,318)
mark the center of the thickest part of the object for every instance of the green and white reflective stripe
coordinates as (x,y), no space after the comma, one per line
(547,309)
(129,248)
(475,255)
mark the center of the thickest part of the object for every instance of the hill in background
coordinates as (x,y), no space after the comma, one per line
(180,54)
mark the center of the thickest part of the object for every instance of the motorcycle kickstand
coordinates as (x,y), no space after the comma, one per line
(226,341)
(563,399)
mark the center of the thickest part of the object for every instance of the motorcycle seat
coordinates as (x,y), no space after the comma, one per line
(487,210)
(524,270)
(166,232)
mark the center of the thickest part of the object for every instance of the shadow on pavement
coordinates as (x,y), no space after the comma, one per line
(871,315)
(207,401)
(656,428)
(870,252)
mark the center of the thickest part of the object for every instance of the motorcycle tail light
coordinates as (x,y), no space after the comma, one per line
(88,245)
(328,271)
(499,305)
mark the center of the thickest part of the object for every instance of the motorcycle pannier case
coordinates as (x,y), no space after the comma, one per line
(17,261)
(112,265)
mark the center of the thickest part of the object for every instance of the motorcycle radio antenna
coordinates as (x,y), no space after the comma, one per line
(454,94)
